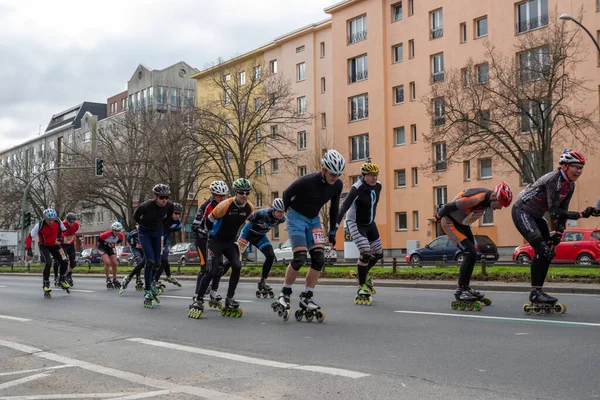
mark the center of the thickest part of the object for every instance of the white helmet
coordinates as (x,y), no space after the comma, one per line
(116,226)
(334,162)
(219,188)
(278,205)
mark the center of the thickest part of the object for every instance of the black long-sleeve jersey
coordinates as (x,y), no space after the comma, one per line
(151,216)
(360,203)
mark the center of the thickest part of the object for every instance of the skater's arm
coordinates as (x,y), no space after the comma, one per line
(290,192)
(348,201)
(333,211)
(559,211)
(447,209)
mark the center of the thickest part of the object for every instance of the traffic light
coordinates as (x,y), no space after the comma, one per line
(27,220)
(99,170)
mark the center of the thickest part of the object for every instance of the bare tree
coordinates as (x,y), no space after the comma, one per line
(513,110)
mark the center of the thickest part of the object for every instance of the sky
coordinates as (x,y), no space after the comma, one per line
(56,54)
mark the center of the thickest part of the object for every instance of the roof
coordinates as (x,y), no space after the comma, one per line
(72,116)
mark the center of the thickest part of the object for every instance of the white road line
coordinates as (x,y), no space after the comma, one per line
(144,395)
(26,371)
(64,396)
(22,380)
(542,321)
(190,299)
(128,376)
(2,286)
(14,318)
(83,291)
(251,360)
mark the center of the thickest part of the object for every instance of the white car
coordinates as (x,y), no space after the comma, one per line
(284,253)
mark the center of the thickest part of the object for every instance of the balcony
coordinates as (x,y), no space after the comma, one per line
(437,77)
(437,33)
(358,76)
(357,36)
(531,24)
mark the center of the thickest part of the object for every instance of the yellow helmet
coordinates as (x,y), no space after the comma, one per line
(369,168)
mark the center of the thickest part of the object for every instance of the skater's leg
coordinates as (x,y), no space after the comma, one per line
(161,267)
(541,262)
(317,261)
(106,261)
(46,259)
(114,262)
(299,259)
(146,241)
(376,250)
(167,268)
(226,267)
(233,256)
(269,259)
(201,273)
(462,237)
(55,266)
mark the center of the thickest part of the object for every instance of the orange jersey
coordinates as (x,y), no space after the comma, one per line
(468,206)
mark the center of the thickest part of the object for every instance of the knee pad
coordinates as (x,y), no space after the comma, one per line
(317,257)
(376,256)
(365,256)
(543,252)
(299,259)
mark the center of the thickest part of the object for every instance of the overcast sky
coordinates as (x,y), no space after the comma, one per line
(57,54)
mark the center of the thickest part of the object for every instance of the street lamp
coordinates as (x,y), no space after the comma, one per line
(568,17)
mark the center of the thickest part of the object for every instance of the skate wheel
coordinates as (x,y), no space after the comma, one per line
(560,308)
(372,291)
(470,306)
(47,295)
(369,301)
(320,316)
(239,313)
(454,305)
(265,294)
(477,306)
(271,294)
(537,310)
(487,301)
(462,306)
(298,315)
(527,308)
(258,294)
(356,300)
(219,305)
(353,275)
(310,317)
(222,313)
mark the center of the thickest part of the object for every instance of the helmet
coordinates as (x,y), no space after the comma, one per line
(161,190)
(570,157)
(369,168)
(116,226)
(333,162)
(242,185)
(71,217)
(278,205)
(50,213)
(503,194)
(219,188)
(178,207)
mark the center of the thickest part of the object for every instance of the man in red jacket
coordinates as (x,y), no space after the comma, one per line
(68,246)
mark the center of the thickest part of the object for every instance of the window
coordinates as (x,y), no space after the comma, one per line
(322,49)
(274,165)
(258,200)
(257,72)
(258,168)
(399,135)
(124,103)
(481,27)
(401,178)
(532,14)
(439,114)
(274,132)
(257,135)
(87,136)
(273,99)
(189,98)
(358,69)
(397,12)
(360,147)
(399,94)
(528,160)
(488,217)
(227,78)
(532,115)
(411,8)
(359,107)
(354,179)
(485,168)
(274,195)
(300,72)
(467,170)
(302,170)
(463,32)
(415,220)
(256,103)
(273,66)
(138,102)
(397,52)
(437,67)
(275,232)
(415,176)
(466,77)
(161,95)
(227,96)
(242,78)
(413,133)
(401,217)
(175,97)
(323,120)
(357,29)
(483,73)
(484,120)
(323,87)
(299,49)
(301,105)
(411,48)
(533,64)
(413,91)
(302,140)
(439,157)
(441,196)
(437,24)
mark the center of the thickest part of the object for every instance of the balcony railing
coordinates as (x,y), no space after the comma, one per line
(437,33)
(358,76)
(533,23)
(357,36)
(437,77)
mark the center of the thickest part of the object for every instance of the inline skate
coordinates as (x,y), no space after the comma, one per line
(159,286)
(149,298)
(485,300)
(309,309)
(47,290)
(69,280)
(63,284)
(465,300)
(541,303)
(282,305)
(56,284)
(139,285)
(109,283)
(369,281)
(116,283)
(173,280)
(264,290)
(196,308)
(124,285)
(231,309)
(363,296)
(215,300)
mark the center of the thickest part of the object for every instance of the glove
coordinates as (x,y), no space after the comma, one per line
(60,240)
(588,212)
(437,218)
(596,213)
(331,238)
(29,253)
(555,238)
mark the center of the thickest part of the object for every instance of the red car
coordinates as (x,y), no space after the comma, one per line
(577,245)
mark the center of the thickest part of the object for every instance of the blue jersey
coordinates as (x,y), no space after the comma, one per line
(133,238)
(261,222)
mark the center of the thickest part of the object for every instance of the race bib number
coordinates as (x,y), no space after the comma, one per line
(62,254)
(473,216)
(242,244)
(318,236)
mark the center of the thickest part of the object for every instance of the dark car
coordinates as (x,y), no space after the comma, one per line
(184,254)
(6,256)
(88,257)
(442,249)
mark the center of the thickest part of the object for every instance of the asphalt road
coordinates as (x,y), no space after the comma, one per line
(408,344)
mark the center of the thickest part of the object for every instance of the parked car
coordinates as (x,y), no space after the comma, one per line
(284,253)
(577,245)
(441,248)
(6,256)
(89,256)
(124,255)
(184,254)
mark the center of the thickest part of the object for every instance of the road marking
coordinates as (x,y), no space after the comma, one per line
(22,380)
(26,371)
(189,298)
(14,318)
(542,321)
(2,286)
(521,333)
(128,376)
(64,396)
(81,290)
(251,360)
(144,395)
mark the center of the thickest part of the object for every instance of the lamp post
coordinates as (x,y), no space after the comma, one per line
(568,17)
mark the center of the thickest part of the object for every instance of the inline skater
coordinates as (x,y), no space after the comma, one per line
(106,247)
(170,225)
(138,261)
(223,223)
(150,216)
(49,233)
(456,218)
(303,200)
(361,207)
(552,194)
(68,245)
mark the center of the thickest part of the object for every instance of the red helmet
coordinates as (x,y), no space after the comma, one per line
(503,194)
(571,157)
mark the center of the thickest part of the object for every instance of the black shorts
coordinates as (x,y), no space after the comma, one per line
(102,249)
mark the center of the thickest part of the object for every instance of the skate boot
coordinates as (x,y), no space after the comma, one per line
(47,290)
(160,286)
(309,309)
(64,285)
(264,290)
(541,303)
(69,280)
(282,305)
(173,280)
(480,296)
(208,290)
(109,283)
(215,300)
(363,296)
(465,301)
(56,284)
(149,298)
(116,283)
(196,308)
(155,292)
(126,281)
(231,309)
(139,285)
(370,285)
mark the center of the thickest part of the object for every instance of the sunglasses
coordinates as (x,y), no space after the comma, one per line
(163,197)
(177,213)
(334,175)
(246,193)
